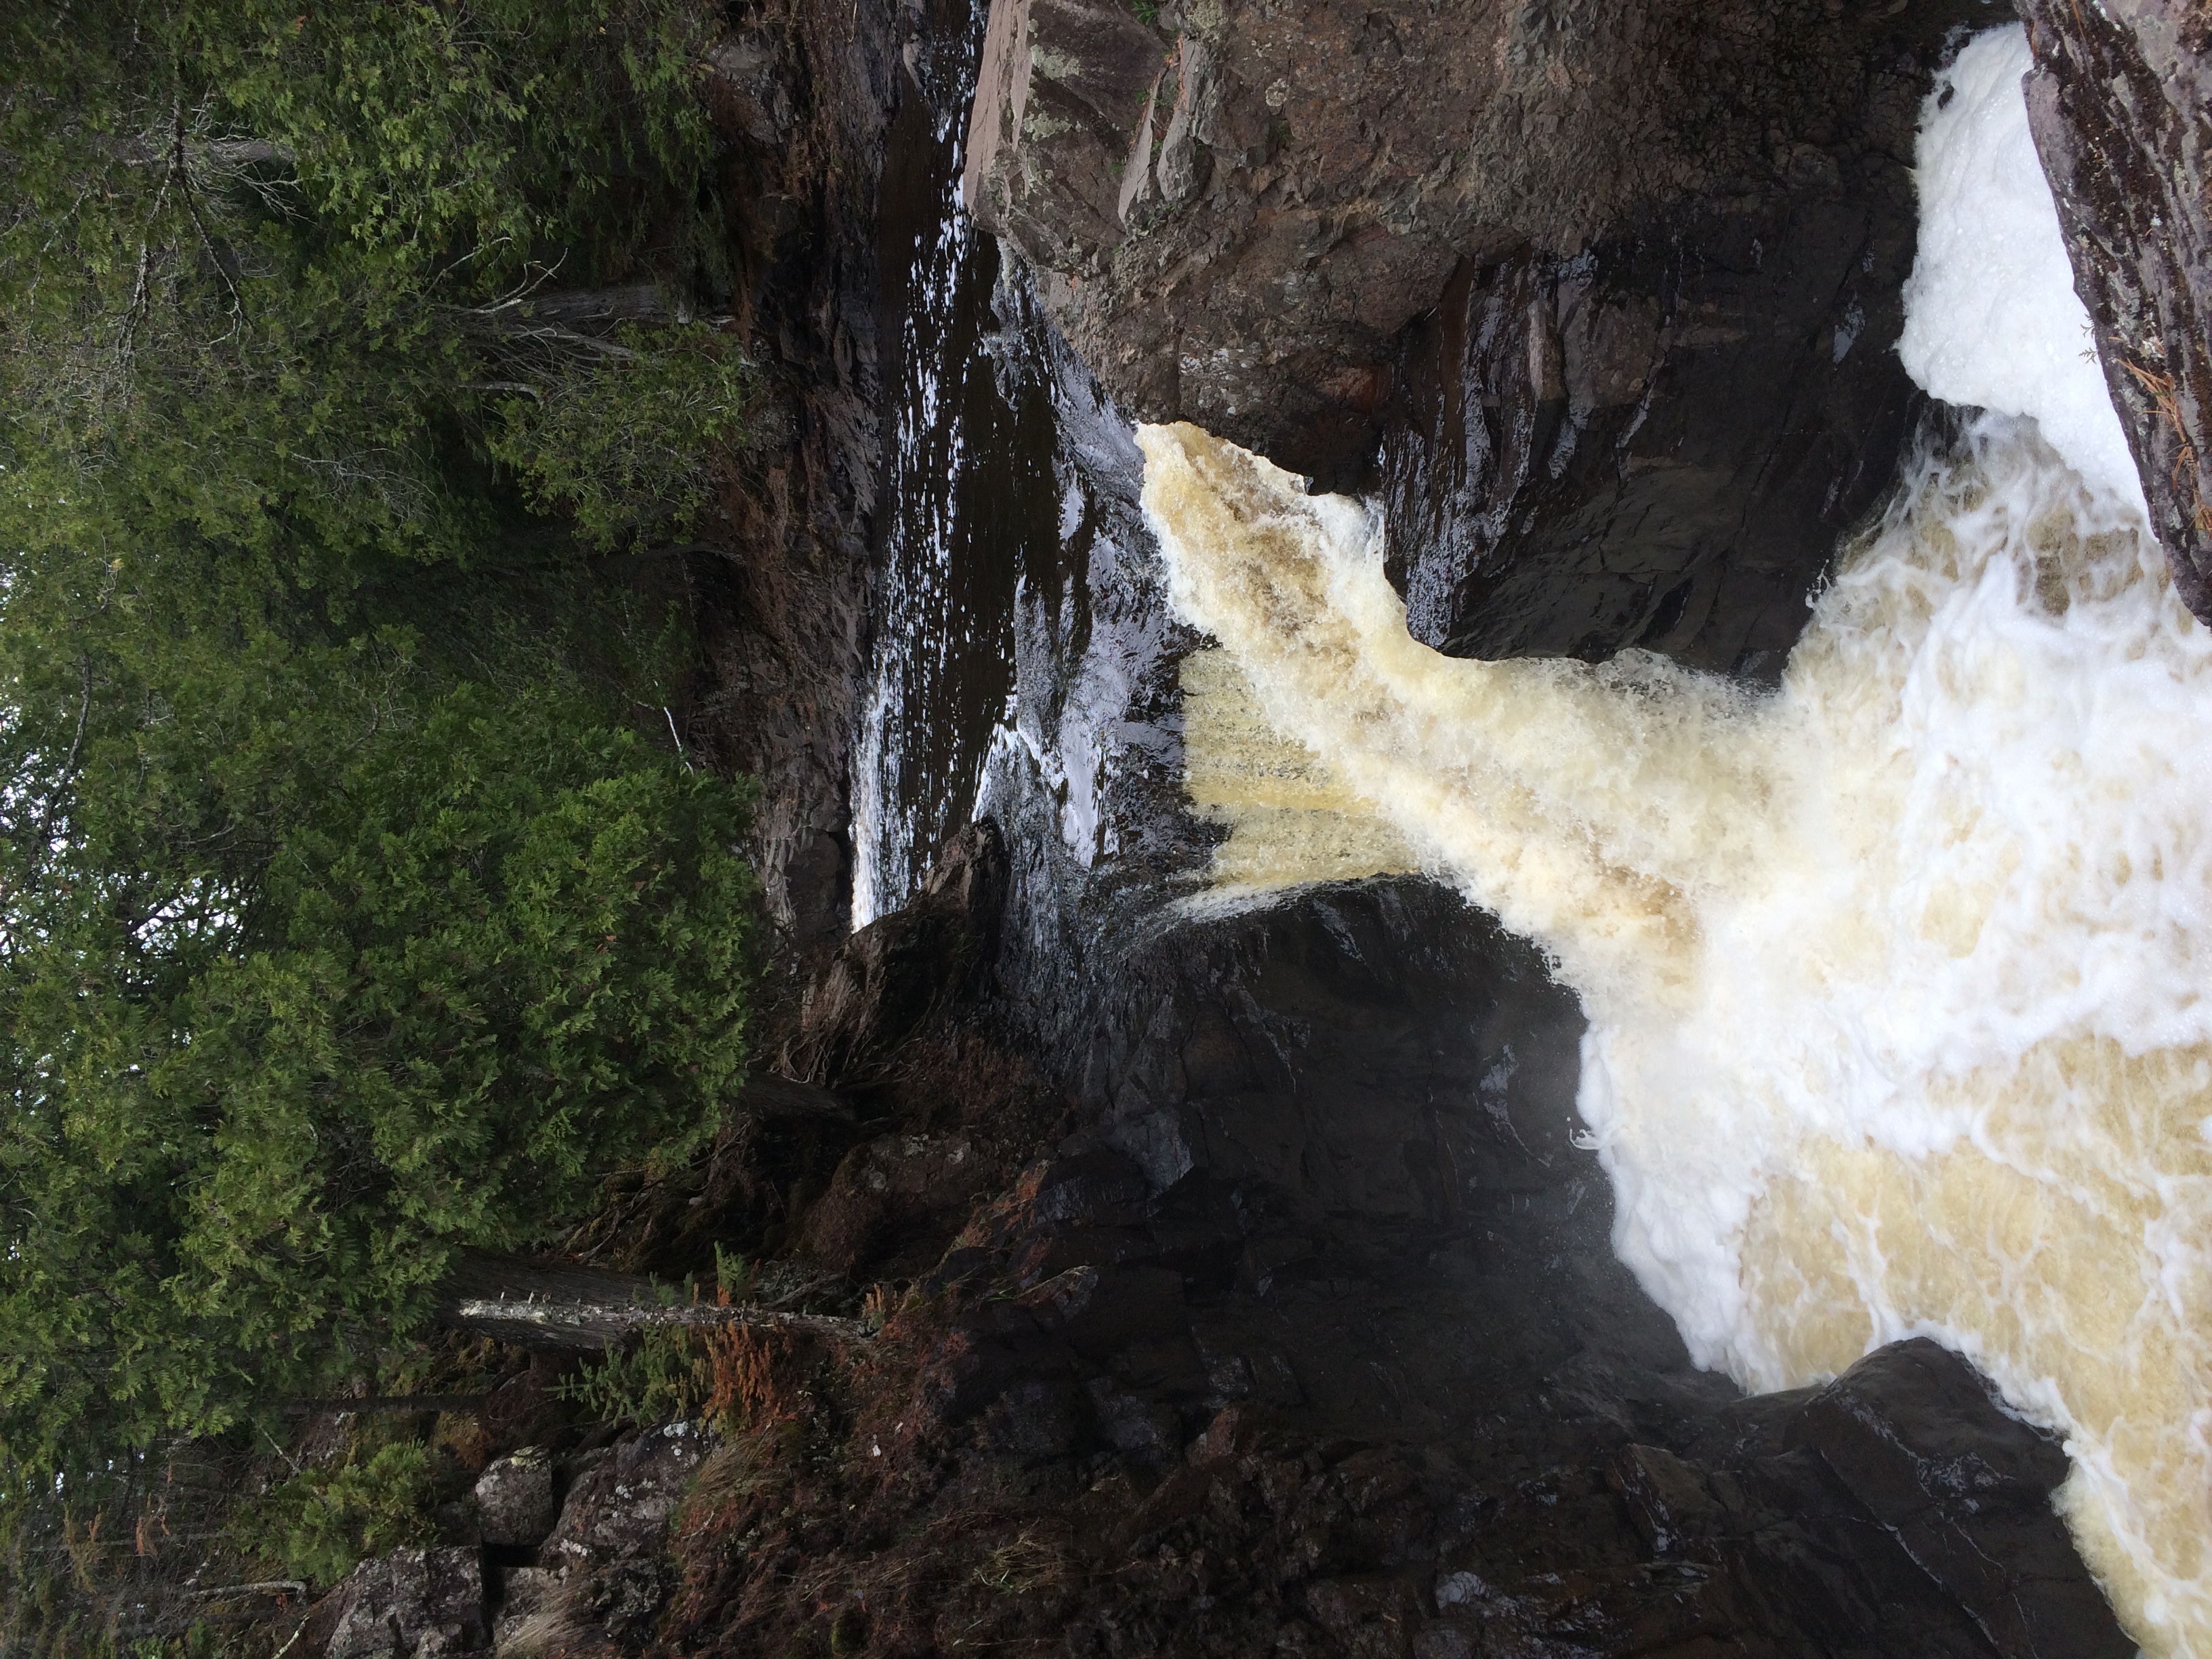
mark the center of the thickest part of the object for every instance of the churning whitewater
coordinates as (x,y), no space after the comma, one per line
(1894,978)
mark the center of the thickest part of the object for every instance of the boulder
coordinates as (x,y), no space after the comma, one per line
(411,1604)
(1913,1434)
(602,1576)
(515,1503)
(1660,441)
(1900,1489)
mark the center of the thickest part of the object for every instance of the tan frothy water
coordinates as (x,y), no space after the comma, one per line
(1895,979)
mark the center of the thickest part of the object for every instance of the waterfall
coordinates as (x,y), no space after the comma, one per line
(1895,977)
(968,492)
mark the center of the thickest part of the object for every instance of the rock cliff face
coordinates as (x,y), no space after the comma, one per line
(1657,442)
(1235,208)
(1614,287)
(1303,1335)
(2121,106)
(780,583)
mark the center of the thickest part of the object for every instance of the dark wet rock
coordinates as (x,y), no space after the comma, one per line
(515,1501)
(887,981)
(1310,1339)
(1301,183)
(778,581)
(1332,1144)
(1329,1290)
(1659,437)
(411,1604)
(2120,103)
(1660,441)
(1899,1498)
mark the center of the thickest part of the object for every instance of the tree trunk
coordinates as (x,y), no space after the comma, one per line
(569,1308)
(342,1404)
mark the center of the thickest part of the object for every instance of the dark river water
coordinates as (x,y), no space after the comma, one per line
(1023,656)
(972,513)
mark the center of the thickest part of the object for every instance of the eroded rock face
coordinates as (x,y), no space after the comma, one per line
(779,579)
(1332,1281)
(1235,211)
(2121,106)
(1659,442)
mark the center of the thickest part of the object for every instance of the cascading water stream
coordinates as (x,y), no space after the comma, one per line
(1895,978)
(969,490)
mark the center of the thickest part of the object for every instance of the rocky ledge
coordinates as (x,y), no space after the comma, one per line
(1290,1325)
(1601,295)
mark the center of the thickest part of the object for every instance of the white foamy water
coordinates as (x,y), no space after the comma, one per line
(1991,318)
(1896,979)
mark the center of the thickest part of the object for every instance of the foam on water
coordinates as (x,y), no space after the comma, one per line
(1991,318)
(1894,979)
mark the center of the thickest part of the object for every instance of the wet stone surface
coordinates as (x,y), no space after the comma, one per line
(1308,1338)
(2118,104)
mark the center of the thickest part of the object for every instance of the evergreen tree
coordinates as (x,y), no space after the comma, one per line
(345,919)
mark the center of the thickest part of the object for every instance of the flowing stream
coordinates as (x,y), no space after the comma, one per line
(1895,977)
(1022,660)
(970,494)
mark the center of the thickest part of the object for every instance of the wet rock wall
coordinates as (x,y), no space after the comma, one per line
(778,582)
(2121,106)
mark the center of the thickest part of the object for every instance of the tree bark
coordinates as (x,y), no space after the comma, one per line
(340,1405)
(569,1308)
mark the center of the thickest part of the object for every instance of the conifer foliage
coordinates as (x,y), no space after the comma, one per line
(350,914)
